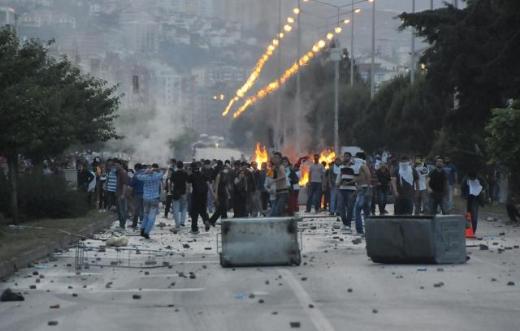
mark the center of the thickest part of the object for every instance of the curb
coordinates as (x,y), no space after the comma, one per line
(24,259)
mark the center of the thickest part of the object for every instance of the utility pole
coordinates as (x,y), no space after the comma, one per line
(431,4)
(298,118)
(336,57)
(352,46)
(412,53)
(279,121)
(372,63)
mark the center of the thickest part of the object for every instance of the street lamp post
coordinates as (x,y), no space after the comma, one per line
(298,85)
(352,45)
(372,62)
(412,52)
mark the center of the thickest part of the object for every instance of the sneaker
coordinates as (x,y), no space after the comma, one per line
(146,236)
(347,229)
(195,232)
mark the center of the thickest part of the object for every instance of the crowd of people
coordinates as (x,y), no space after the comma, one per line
(350,188)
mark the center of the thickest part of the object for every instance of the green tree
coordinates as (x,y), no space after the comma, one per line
(47,105)
(473,54)
(503,140)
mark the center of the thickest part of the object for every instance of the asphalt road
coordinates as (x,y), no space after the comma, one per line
(170,286)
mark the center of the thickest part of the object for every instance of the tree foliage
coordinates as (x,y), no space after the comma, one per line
(503,140)
(474,53)
(47,105)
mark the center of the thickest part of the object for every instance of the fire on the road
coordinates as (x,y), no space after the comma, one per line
(327,155)
(261,155)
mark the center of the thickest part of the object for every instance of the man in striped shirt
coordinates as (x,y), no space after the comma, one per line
(346,186)
(151,179)
(111,184)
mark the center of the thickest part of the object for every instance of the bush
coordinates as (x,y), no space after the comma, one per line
(44,197)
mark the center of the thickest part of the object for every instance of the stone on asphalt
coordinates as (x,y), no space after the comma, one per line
(295,325)
(439,284)
(52,323)
(9,296)
(54,307)
(510,283)
(136,296)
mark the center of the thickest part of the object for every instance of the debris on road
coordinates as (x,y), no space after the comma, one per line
(52,323)
(439,284)
(117,241)
(136,296)
(9,296)
(295,325)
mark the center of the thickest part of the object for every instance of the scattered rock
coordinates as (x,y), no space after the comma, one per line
(357,241)
(350,290)
(261,301)
(192,275)
(52,323)
(186,246)
(440,269)
(136,296)
(274,313)
(147,273)
(32,287)
(295,325)
(117,241)
(493,279)
(439,284)
(207,248)
(108,285)
(422,287)
(54,307)
(510,283)
(75,295)
(251,296)
(36,273)
(502,234)
(9,296)
(375,311)
(304,279)
(311,305)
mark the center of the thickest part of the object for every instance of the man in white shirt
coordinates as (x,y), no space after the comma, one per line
(314,189)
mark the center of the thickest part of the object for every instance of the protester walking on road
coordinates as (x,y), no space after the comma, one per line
(168,189)
(346,184)
(421,198)
(451,172)
(199,198)
(438,184)
(151,178)
(363,198)
(222,193)
(474,190)
(382,187)
(179,196)
(282,187)
(315,186)
(137,197)
(404,185)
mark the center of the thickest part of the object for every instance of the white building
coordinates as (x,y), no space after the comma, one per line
(7,16)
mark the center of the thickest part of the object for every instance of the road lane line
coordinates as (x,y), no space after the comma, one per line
(317,317)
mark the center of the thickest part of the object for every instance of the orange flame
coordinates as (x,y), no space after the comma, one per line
(328,155)
(261,155)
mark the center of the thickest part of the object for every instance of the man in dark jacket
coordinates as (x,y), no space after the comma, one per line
(199,198)
(438,187)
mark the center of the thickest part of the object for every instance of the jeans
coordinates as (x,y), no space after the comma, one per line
(437,200)
(168,205)
(362,204)
(472,208)
(279,204)
(220,211)
(345,206)
(198,208)
(180,208)
(403,206)
(211,205)
(314,197)
(334,196)
(421,202)
(382,198)
(122,211)
(138,210)
(449,198)
(151,209)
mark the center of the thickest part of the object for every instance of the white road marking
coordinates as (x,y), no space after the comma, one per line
(136,290)
(317,317)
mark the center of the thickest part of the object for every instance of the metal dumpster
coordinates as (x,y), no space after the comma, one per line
(416,239)
(260,242)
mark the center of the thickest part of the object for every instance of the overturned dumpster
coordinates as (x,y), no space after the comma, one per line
(416,239)
(260,242)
